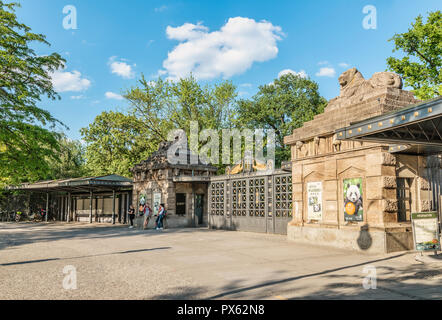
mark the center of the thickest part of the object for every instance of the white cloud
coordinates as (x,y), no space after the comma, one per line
(112,95)
(344,65)
(121,68)
(64,81)
(227,52)
(301,73)
(77,97)
(323,63)
(161,9)
(326,72)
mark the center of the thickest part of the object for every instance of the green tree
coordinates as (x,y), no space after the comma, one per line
(71,160)
(282,106)
(27,141)
(420,67)
(115,143)
(163,106)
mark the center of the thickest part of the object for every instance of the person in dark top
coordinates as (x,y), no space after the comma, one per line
(131,213)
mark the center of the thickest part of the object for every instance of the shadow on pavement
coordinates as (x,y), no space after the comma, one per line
(80,257)
(13,234)
(392,283)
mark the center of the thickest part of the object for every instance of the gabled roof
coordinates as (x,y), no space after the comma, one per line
(159,160)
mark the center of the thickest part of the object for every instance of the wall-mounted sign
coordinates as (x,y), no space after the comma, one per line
(156,202)
(314,200)
(353,209)
(425,231)
(142,199)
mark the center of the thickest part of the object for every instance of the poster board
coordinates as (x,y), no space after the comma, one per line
(425,231)
(314,200)
(353,204)
(156,202)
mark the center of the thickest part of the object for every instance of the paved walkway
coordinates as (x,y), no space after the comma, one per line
(121,263)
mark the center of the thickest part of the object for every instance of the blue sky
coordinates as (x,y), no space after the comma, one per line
(116,41)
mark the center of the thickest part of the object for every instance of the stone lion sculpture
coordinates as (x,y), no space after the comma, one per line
(354,86)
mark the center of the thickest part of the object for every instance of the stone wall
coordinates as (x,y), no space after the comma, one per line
(318,156)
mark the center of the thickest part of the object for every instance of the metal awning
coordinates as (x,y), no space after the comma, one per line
(87,184)
(416,129)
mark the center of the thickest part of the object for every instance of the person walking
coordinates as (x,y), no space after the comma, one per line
(131,213)
(160,218)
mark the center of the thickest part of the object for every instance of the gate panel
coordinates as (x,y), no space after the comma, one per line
(249,204)
(217,216)
(254,203)
(282,196)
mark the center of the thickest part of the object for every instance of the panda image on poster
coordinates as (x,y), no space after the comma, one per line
(353,209)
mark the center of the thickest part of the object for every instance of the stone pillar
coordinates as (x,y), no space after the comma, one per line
(298,204)
(381,206)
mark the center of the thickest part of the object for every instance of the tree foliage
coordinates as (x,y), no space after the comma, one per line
(282,106)
(26,140)
(70,162)
(420,67)
(115,142)
(164,106)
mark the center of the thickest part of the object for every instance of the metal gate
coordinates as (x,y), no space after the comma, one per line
(251,202)
(435,180)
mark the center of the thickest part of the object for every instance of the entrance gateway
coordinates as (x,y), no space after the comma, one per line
(256,201)
(358,172)
(377,152)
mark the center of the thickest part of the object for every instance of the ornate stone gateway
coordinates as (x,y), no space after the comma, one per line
(374,156)
(255,202)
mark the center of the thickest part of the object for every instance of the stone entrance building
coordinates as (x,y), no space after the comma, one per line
(182,188)
(357,193)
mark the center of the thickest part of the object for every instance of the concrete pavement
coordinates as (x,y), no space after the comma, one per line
(114,262)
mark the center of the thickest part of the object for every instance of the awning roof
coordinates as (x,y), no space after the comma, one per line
(86,184)
(416,129)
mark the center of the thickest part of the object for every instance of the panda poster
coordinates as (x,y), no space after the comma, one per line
(314,194)
(353,206)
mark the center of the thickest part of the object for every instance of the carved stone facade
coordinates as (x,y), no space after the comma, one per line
(318,156)
(157,177)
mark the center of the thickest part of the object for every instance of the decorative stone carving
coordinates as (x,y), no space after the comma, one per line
(425,205)
(316,141)
(390,205)
(354,87)
(336,143)
(386,79)
(389,182)
(425,184)
(388,159)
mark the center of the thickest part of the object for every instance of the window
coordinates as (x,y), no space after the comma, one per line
(181,204)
